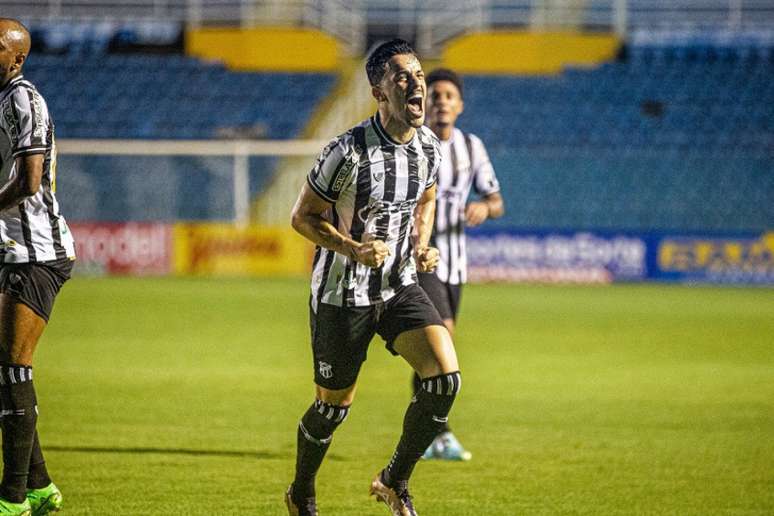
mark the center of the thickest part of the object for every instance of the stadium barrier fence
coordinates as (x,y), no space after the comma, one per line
(513,256)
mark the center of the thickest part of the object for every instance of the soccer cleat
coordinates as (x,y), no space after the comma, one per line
(398,500)
(45,500)
(17,509)
(446,447)
(308,508)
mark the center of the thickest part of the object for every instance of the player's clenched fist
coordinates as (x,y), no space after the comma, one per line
(427,258)
(371,254)
(476,212)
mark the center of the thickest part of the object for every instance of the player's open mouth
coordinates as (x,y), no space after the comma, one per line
(415,105)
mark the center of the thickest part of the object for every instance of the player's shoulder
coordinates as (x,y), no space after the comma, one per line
(428,137)
(470,138)
(24,89)
(345,144)
(25,96)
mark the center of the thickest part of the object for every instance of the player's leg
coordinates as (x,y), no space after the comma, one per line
(446,446)
(431,353)
(340,339)
(439,295)
(314,436)
(445,297)
(414,330)
(27,294)
(20,329)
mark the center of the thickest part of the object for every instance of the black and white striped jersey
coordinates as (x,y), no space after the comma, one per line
(464,165)
(34,230)
(374,184)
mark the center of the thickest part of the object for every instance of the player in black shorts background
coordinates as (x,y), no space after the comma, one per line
(368,204)
(36,257)
(465,166)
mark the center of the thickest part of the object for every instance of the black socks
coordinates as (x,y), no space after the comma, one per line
(315,432)
(38,476)
(425,418)
(19,417)
(416,384)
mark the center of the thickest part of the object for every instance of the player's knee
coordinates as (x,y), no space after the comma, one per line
(439,392)
(321,420)
(339,397)
(449,323)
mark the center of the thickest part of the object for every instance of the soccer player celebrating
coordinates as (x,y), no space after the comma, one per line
(37,253)
(368,204)
(464,165)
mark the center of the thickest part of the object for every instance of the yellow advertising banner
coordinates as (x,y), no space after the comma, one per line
(292,49)
(528,52)
(717,254)
(230,250)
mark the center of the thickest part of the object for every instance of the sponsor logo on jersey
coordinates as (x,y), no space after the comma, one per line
(376,208)
(39,129)
(344,174)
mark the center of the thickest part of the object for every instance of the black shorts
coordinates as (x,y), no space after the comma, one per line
(341,335)
(445,296)
(35,284)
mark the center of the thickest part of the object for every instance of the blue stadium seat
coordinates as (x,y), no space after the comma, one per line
(672,138)
(178,96)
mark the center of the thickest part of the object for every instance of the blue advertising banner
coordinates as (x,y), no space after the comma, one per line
(555,257)
(605,257)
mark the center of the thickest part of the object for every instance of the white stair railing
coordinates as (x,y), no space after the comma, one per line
(430,23)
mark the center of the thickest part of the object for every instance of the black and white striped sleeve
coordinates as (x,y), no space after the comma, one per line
(435,165)
(333,170)
(31,119)
(484,178)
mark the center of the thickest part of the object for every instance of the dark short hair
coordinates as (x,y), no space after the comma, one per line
(444,74)
(375,66)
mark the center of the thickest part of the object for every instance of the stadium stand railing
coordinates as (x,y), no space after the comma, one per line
(430,23)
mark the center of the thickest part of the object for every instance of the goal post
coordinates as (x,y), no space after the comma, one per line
(237,152)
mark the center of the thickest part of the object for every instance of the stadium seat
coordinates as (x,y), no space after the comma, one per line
(197,99)
(673,138)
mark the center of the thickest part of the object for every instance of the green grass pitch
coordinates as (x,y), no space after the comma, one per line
(181,396)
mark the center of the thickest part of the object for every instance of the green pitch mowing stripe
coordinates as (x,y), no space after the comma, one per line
(181,396)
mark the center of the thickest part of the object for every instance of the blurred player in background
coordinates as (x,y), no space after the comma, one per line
(464,165)
(371,189)
(37,257)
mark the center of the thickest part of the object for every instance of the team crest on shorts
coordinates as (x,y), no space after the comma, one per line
(326,370)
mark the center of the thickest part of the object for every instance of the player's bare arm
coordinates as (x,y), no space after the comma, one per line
(426,257)
(490,207)
(308,220)
(26,182)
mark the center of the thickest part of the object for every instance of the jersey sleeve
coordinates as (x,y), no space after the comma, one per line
(31,122)
(435,166)
(333,170)
(484,178)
